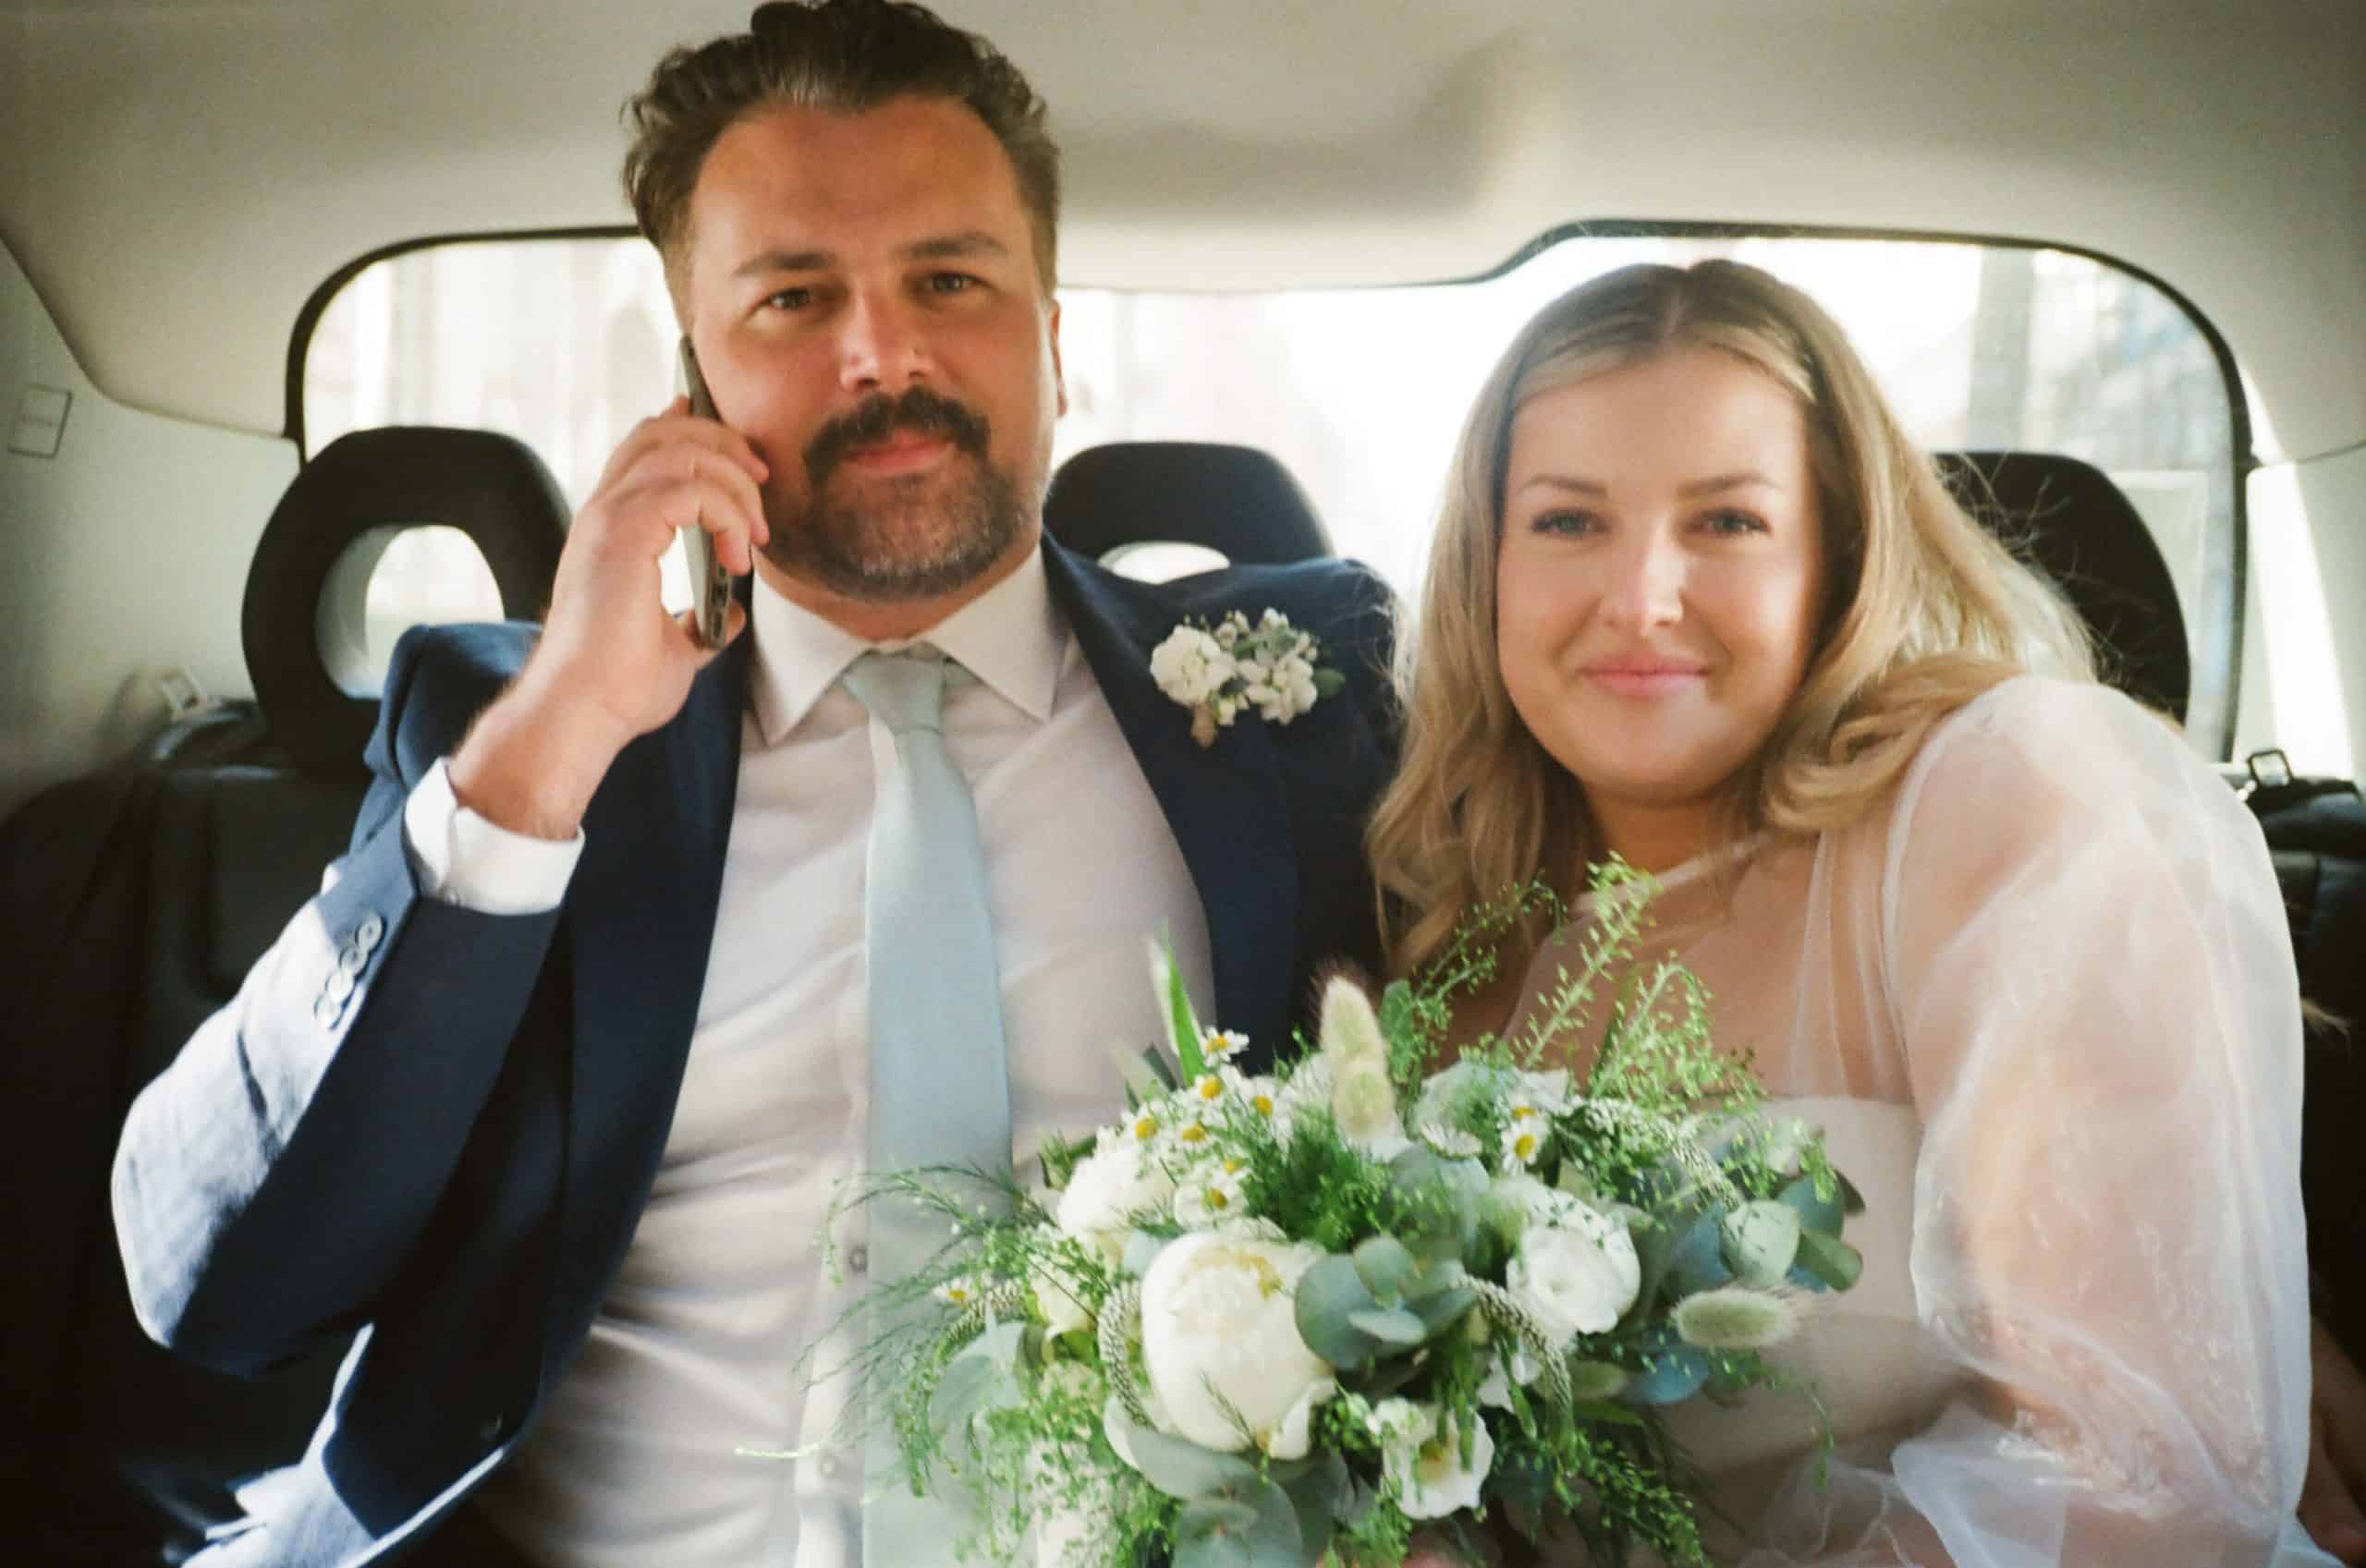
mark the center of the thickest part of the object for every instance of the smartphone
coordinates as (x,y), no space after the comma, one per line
(710,578)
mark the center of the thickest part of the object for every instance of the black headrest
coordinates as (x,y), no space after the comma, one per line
(1235,500)
(2068,520)
(490,487)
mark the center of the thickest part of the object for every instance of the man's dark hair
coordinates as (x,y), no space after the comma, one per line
(844,57)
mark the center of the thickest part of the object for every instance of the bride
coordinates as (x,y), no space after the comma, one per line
(1697,601)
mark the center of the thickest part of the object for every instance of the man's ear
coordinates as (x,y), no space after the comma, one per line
(1059,381)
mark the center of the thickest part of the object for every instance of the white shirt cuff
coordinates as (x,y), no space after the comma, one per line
(462,858)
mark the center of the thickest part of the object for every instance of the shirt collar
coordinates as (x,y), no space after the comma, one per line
(1010,636)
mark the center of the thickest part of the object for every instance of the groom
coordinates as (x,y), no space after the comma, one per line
(548,1092)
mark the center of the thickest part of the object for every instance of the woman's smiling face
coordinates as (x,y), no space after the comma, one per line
(1658,585)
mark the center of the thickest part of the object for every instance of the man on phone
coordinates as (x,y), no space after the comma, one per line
(550,1091)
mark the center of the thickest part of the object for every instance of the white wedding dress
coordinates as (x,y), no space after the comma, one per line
(2043,1002)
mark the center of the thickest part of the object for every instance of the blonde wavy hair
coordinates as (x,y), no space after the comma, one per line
(1922,610)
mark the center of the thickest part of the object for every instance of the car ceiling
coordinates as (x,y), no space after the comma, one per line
(188,172)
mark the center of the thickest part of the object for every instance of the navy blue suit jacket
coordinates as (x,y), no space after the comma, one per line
(438,1127)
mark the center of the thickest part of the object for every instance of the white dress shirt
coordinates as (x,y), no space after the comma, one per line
(702,1347)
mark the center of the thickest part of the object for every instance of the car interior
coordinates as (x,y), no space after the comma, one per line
(317,318)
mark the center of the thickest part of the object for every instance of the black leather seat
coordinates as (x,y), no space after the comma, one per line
(1237,500)
(2071,521)
(135,901)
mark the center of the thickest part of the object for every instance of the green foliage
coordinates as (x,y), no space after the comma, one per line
(1664,1135)
(1317,1189)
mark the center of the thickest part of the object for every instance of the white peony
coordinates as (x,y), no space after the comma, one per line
(1424,1458)
(1107,1189)
(1190,666)
(1221,1343)
(1575,1270)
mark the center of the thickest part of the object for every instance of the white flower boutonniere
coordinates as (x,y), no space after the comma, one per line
(1217,671)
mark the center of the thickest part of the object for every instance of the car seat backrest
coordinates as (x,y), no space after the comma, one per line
(1237,500)
(2068,518)
(132,903)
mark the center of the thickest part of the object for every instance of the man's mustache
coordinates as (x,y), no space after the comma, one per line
(917,411)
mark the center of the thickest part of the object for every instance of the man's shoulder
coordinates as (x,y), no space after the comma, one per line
(439,678)
(1341,601)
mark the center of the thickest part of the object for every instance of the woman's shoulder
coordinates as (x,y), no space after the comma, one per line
(2045,737)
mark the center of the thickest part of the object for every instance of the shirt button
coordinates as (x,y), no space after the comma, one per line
(351,961)
(326,1013)
(340,985)
(367,934)
(859,1259)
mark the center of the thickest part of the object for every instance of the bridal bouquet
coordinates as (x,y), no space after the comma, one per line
(1264,1319)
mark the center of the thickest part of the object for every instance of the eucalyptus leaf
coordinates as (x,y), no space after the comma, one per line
(1761,1239)
(1315,1502)
(983,1375)
(1821,1215)
(1439,1310)
(1388,1377)
(1434,1279)
(1851,1201)
(1696,1259)
(1830,1261)
(1215,1548)
(1384,1266)
(1674,1374)
(1654,1245)
(1182,1468)
(1219,1513)
(1592,1381)
(1329,1296)
(1391,1325)
(1329,681)
(1252,1523)
(1603,1410)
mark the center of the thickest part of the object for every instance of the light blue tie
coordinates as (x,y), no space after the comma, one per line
(940,1094)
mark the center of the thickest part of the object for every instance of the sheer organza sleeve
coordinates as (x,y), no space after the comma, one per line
(2087,964)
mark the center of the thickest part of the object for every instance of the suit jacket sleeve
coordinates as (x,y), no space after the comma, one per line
(272,1180)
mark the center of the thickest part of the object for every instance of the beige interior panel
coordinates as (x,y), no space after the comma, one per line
(197,168)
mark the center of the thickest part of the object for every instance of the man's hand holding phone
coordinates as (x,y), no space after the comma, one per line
(612,664)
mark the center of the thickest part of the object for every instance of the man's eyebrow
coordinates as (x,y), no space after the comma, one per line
(937,247)
(771,261)
(951,247)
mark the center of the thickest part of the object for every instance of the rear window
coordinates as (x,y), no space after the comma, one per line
(566,342)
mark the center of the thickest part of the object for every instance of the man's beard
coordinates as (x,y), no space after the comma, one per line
(910,536)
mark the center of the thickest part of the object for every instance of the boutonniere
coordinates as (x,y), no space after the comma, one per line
(1217,671)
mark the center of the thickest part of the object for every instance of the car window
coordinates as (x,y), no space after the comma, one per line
(567,342)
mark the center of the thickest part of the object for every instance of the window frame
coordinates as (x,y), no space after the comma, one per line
(2243,458)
